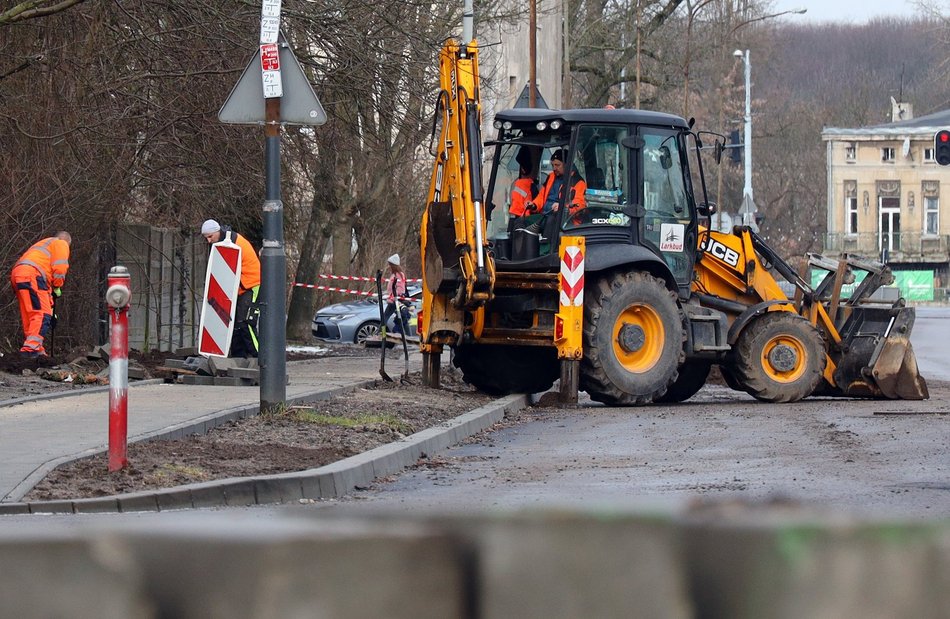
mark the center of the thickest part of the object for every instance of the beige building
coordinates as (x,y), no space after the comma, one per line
(887,197)
(505,59)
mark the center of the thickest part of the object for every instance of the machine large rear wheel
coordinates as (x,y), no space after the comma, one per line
(692,377)
(779,357)
(500,370)
(633,339)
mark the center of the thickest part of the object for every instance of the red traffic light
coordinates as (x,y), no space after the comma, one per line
(942,147)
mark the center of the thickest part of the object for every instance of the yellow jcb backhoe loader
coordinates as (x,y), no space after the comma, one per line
(615,286)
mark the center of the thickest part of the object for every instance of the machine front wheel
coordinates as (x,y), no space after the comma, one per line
(633,339)
(779,357)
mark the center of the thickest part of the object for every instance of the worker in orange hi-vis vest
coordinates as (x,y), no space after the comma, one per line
(245,341)
(37,277)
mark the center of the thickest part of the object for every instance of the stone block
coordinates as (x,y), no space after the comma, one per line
(194,379)
(783,564)
(299,569)
(563,565)
(63,574)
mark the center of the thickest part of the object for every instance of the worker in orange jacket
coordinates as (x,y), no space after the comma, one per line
(36,278)
(549,197)
(245,341)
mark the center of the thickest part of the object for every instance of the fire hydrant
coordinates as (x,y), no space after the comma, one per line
(118,297)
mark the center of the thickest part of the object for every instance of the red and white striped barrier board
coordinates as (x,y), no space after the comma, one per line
(221,290)
(572,277)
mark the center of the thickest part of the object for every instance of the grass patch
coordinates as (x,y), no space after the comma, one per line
(390,421)
(170,470)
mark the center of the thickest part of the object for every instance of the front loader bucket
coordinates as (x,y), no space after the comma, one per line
(876,358)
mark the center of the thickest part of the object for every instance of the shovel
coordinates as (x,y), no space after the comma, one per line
(405,346)
(382,327)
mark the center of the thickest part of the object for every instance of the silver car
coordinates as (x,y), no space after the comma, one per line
(357,320)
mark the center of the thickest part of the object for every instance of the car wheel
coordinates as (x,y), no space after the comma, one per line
(366,330)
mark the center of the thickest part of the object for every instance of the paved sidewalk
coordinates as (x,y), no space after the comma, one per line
(39,434)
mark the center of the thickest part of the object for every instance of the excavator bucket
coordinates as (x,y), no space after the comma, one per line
(877,359)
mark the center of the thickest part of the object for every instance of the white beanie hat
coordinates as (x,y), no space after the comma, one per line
(394,259)
(210,227)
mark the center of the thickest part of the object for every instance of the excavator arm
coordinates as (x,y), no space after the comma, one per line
(458,271)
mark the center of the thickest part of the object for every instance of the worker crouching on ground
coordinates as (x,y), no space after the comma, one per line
(245,341)
(396,291)
(36,278)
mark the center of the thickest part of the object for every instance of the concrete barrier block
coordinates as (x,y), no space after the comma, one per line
(138,502)
(60,574)
(96,506)
(178,498)
(277,489)
(51,507)
(291,569)
(788,565)
(553,565)
(240,493)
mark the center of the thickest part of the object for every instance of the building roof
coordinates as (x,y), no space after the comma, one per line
(920,127)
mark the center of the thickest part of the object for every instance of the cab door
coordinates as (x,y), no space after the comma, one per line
(669,222)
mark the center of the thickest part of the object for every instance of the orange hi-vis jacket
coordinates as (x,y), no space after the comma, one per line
(38,271)
(522,192)
(576,200)
(250,263)
(51,258)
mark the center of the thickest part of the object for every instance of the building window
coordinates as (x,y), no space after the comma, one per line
(887,154)
(929,155)
(851,215)
(931,216)
(850,151)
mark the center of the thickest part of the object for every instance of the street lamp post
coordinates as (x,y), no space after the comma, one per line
(747,133)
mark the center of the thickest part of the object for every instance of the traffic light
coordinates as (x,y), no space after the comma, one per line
(735,147)
(942,147)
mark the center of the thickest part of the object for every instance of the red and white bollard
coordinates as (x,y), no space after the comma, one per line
(118,297)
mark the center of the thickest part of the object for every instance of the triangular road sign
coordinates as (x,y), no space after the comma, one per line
(298,105)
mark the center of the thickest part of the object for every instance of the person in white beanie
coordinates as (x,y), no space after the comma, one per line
(396,289)
(245,341)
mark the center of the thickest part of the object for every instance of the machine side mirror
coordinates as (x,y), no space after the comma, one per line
(717,151)
(706,209)
(632,141)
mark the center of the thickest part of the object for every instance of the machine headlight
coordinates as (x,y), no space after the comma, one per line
(556,124)
(497,124)
(507,125)
(541,126)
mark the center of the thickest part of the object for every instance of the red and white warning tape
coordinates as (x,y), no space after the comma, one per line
(355,278)
(364,293)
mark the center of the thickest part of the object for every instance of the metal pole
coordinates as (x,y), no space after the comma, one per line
(273,358)
(747,147)
(533,54)
(468,22)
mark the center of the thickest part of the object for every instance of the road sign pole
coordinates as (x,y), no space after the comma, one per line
(273,358)
(273,353)
(274,76)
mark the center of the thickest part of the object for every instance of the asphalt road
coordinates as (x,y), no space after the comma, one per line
(864,457)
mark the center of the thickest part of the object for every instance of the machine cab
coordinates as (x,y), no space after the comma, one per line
(620,178)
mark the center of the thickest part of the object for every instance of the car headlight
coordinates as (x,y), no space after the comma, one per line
(340,317)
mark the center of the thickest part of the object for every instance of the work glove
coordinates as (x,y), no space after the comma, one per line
(57,292)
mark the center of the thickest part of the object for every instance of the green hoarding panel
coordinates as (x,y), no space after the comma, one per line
(914,285)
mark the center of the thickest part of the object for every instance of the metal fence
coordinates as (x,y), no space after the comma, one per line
(167,269)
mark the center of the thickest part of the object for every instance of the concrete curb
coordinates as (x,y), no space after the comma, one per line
(330,481)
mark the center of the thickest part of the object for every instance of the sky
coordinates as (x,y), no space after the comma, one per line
(848,11)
